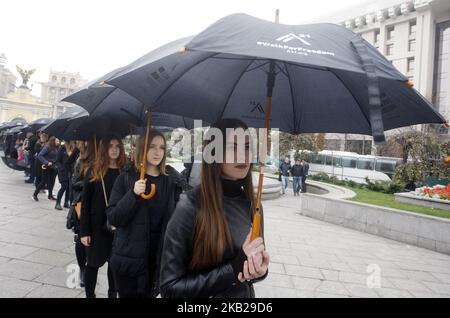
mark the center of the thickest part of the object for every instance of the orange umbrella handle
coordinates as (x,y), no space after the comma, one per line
(151,194)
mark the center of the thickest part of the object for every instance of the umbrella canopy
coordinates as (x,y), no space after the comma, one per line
(38,123)
(59,126)
(320,77)
(13,123)
(17,130)
(103,100)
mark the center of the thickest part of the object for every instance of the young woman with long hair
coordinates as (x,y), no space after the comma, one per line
(140,223)
(65,160)
(207,249)
(47,158)
(94,231)
(83,164)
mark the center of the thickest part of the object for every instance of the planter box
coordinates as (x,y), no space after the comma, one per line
(407,197)
(425,231)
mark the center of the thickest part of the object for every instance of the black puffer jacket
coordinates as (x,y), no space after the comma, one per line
(130,215)
(177,279)
(65,163)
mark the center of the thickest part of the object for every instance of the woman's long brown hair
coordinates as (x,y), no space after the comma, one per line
(212,234)
(51,143)
(87,156)
(101,163)
(140,149)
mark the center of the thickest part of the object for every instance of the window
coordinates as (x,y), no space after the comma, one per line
(348,162)
(390,33)
(410,66)
(72,81)
(52,90)
(412,28)
(62,92)
(318,159)
(390,49)
(376,39)
(328,160)
(365,163)
(386,165)
(337,161)
(54,78)
(412,45)
(63,80)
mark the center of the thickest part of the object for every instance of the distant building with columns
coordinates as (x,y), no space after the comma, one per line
(19,102)
(415,37)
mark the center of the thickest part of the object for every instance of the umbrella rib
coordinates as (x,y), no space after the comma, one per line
(210,55)
(292,97)
(353,96)
(234,86)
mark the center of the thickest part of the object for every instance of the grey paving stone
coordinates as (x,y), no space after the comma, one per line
(16,288)
(16,251)
(334,288)
(50,291)
(23,269)
(278,280)
(303,271)
(49,257)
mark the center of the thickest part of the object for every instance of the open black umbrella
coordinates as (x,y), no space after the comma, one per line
(59,126)
(40,122)
(297,78)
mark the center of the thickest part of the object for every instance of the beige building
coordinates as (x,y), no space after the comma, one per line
(415,36)
(59,85)
(19,102)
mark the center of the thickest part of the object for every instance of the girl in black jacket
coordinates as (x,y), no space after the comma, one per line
(47,158)
(140,223)
(82,166)
(93,226)
(65,160)
(207,249)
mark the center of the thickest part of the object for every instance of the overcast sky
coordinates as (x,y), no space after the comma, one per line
(93,37)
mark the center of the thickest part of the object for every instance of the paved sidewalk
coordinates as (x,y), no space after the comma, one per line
(309,258)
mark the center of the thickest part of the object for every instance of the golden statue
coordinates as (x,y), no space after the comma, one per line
(25,75)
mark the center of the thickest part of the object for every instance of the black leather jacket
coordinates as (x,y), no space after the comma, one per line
(177,279)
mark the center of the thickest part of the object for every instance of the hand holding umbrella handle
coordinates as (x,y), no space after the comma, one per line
(151,194)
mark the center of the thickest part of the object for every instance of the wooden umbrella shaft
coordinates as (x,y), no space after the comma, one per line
(144,154)
(256,224)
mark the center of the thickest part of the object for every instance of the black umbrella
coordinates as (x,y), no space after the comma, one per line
(321,77)
(59,127)
(38,123)
(112,109)
(13,123)
(17,130)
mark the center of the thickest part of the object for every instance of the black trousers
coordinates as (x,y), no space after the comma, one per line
(64,189)
(48,178)
(32,168)
(134,287)
(90,281)
(80,252)
(304,184)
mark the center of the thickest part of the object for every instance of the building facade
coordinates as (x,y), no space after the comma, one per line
(60,84)
(415,36)
(19,102)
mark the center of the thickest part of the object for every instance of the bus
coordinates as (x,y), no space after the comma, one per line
(352,166)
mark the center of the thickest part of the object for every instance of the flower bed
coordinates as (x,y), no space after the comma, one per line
(436,192)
